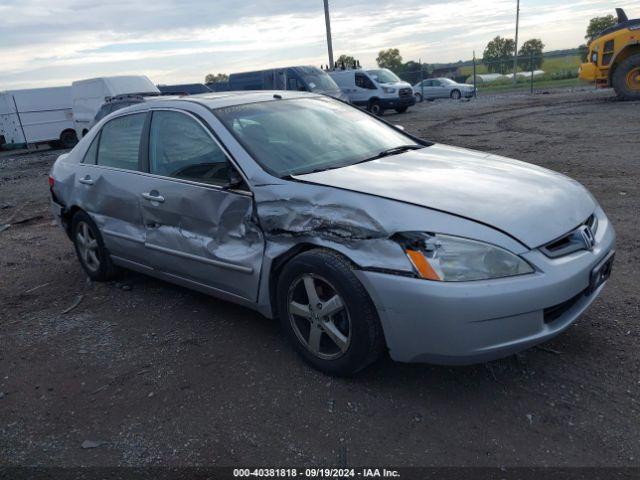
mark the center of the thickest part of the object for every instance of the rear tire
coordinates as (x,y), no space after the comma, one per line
(376,108)
(68,139)
(92,253)
(626,78)
(318,293)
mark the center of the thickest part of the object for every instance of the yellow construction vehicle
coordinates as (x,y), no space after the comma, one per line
(614,58)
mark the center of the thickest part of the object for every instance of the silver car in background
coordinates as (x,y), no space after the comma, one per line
(359,237)
(433,88)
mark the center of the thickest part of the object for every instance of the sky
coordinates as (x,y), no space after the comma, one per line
(54,42)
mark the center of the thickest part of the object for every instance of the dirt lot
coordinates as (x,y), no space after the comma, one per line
(159,375)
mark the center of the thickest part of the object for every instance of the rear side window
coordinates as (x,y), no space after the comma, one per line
(120,142)
(180,147)
(92,153)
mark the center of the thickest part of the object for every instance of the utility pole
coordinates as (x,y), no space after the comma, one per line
(475,90)
(327,21)
(515,56)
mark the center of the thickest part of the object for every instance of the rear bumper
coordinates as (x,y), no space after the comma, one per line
(57,211)
(469,322)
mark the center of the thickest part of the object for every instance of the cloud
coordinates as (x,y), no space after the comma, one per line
(51,43)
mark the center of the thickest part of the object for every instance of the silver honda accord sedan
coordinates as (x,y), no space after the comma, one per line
(359,237)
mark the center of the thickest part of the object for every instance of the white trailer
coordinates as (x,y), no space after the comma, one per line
(89,95)
(37,115)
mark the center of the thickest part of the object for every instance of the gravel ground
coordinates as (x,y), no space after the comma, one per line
(141,372)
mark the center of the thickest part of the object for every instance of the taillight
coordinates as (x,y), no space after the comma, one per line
(51,181)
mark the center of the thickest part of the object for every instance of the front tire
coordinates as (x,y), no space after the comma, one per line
(626,78)
(92,253)
(455,95)
(327,313)
(418,97)
(376,108)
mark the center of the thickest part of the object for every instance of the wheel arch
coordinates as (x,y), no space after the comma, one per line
(631,48)
(281,260)
(67,217)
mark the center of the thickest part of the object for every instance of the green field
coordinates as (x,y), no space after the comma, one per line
(525,86)
(559,71)
(551,65)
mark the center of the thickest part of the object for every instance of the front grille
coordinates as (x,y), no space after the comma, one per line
(572,241)
(405,92)
(551,314)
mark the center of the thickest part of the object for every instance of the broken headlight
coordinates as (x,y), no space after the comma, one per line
(447,258)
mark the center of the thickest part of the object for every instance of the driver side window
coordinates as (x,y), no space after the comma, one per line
(363,81)
(179,147)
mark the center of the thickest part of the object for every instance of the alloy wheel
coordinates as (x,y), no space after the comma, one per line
(88,247)
(319,317)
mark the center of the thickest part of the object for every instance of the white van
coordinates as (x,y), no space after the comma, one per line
(89,96)
(36,115)
(376,89)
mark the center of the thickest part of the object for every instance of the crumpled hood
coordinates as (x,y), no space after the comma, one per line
(530,203)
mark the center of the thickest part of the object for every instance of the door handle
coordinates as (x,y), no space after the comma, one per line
(153,197)
(86,180)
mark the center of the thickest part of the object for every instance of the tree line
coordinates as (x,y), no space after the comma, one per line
(498,55)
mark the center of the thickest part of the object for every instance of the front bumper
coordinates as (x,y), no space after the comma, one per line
(398,102)
(460,323)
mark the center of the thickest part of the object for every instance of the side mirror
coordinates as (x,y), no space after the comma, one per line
(234,179)
(399,127)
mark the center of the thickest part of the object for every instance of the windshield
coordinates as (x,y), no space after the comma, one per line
(303,135)
(319,81)
(384,76)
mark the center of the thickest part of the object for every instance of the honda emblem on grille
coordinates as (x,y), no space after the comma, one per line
(587,237)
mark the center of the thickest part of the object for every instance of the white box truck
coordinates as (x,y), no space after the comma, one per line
(35,116)
(90,94)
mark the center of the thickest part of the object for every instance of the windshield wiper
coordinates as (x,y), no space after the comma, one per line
(391,151)
(385,153)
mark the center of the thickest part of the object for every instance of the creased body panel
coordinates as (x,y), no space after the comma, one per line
(533,204)
(204,234)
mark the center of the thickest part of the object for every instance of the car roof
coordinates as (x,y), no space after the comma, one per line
(215,100)
(212,100)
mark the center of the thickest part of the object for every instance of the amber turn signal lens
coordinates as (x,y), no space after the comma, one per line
(422,265)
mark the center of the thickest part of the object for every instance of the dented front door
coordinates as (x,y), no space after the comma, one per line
(203,234)
(197,228)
